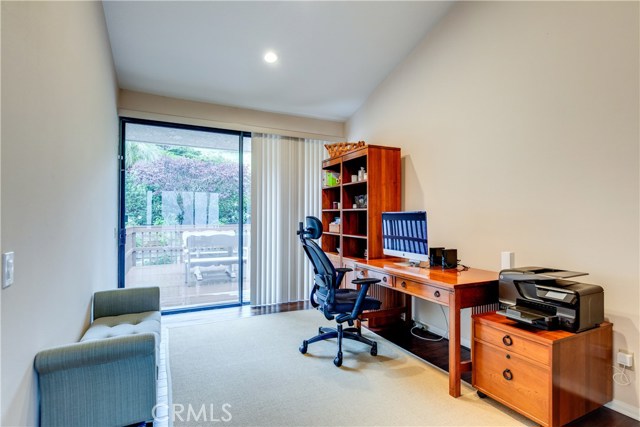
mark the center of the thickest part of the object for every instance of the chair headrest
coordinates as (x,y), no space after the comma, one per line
(313,229)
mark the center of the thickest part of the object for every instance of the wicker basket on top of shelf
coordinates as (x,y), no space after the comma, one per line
(340,148)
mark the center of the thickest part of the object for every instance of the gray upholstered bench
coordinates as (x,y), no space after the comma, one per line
(109,377)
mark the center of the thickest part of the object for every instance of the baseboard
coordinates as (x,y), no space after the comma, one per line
(624,409)
(439,331)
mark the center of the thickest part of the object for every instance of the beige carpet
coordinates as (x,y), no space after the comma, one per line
(249,372)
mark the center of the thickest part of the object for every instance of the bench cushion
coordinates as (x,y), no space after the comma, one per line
(125,324)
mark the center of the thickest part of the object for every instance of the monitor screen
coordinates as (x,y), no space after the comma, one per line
(404,234)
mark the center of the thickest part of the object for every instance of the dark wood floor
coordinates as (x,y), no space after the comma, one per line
(436,353)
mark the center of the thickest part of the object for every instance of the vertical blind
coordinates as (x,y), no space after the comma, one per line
(285,188)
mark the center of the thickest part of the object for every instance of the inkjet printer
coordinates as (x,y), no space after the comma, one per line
(543,298)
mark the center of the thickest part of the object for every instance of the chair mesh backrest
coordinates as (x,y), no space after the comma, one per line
(321,264)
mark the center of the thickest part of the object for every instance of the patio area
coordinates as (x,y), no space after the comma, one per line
(158,255)
(175,293)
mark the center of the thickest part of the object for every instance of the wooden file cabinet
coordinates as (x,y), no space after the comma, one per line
(551,377)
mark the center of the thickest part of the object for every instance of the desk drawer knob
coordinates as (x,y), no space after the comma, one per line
(436,294)
(506,340)
(403,284)
(507,374)
(384,279)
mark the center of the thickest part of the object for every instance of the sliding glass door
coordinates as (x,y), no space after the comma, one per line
(184,213)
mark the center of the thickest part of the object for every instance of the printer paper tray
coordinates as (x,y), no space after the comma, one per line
(533,317)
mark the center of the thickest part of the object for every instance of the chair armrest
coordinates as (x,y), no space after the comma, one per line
(94,352)
(365,281)
(343,269)
(125,301)
(362,294)
(104,382)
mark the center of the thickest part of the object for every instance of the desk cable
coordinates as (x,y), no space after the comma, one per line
(620,377)
(433,339)
(464,267)
(459,267)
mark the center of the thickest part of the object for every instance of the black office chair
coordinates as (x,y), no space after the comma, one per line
(345,305)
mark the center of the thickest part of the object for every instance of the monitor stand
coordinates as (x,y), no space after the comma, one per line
(413,263)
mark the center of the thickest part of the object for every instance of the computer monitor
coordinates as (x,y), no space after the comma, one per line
(404,235)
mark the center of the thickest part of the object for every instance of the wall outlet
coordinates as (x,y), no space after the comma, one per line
(625,359)
(507,260)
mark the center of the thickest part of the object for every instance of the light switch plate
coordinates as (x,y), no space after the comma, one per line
(7,269)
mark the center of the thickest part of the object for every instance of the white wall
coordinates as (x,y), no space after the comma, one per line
(59,182)
(518,123)
(1,251)
(154,107)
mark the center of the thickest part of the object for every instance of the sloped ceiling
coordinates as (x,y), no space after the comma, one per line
(332,55)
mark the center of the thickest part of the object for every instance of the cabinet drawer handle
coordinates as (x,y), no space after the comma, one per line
(436,294)
(403,284)
(507,374)
(506,340)
(384,279)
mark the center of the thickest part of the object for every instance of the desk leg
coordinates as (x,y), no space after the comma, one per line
(408,312)
(454,344)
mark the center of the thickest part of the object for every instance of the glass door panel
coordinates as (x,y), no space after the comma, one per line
(185,205)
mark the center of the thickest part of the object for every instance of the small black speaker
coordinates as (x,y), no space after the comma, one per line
(450,258)
(435,257)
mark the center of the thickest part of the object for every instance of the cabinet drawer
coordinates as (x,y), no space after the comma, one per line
(385,279)
(429,292)
(515,381)
(512,342)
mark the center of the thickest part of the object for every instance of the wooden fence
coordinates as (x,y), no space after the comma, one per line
(155,245)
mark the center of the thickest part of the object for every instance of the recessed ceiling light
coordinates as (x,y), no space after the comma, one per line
(270,57)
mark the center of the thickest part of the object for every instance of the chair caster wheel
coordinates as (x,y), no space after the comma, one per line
(338,360)
(480,394)
(374,349)
(303,347)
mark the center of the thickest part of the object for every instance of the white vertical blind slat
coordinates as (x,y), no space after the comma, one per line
(286,179)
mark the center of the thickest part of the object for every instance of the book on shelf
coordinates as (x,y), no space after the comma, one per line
(330,179)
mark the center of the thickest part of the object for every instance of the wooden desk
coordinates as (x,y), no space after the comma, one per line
(451,288)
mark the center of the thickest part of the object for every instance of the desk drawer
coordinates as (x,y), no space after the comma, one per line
(514,381)
(429,292)
(512,342)
(385,279)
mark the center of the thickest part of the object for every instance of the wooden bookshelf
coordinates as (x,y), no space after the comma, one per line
(360,226)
